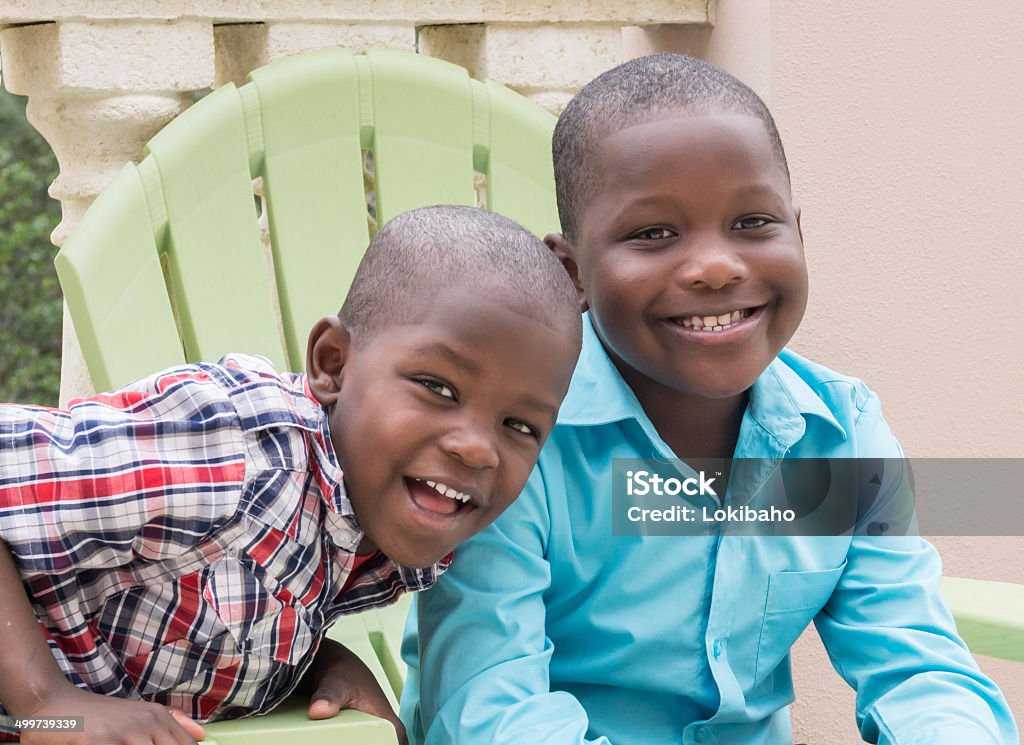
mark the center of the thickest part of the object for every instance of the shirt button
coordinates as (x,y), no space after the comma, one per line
(703,734)
(716,648)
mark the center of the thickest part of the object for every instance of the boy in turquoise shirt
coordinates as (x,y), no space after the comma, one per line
(681,236)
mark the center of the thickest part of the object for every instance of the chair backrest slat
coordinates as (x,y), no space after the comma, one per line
(114,286)
(218,271)
(520,180)
(423,133)
(313,185)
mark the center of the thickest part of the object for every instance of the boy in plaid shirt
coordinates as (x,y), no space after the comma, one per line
(182,545)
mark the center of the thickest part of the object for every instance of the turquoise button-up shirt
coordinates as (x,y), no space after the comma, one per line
(550,629)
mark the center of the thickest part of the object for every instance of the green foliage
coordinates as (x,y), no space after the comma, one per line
(30,297)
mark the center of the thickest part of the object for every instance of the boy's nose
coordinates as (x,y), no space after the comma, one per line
(711,266)
(472,445)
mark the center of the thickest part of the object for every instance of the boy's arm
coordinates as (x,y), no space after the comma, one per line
(32,685)
(139,474)
(890,635)
(483,652)
(28,672)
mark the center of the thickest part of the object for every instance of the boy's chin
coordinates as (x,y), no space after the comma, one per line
(414,559)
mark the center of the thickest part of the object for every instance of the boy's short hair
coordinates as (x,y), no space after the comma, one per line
(421,253)
(635,92)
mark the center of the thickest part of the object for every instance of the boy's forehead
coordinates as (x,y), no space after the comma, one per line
(455,311)
(700,125)
(454,307)
(685,140)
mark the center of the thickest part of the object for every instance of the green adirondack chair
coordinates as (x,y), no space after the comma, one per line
(168,264)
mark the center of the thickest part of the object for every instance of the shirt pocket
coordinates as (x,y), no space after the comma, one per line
(794,598)
(261,620)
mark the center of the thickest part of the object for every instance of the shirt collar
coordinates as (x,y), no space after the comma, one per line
(597,394)
(780,400)
(327,476)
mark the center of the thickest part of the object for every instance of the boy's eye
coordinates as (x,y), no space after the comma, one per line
(750,223)
(522,427)
(439,388)
(653,234)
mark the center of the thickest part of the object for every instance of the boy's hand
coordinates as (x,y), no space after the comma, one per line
(340,680)
(111,721)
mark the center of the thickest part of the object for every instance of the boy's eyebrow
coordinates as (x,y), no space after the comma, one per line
(758,190)
(746,190)
(542,407)
(454,357)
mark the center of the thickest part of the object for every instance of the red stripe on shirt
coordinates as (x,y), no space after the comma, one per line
(179,624)
(118,400)
(145,478)
(267,545)
(224,680)
(166,381)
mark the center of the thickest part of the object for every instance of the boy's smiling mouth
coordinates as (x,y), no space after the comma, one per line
(709,324)
(439,498)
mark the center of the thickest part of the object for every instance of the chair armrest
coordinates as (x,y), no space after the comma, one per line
(288,723)
(989,615)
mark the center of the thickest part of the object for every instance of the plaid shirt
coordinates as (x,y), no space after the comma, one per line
(186,540)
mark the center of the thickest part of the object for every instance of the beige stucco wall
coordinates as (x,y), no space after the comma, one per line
(904,126)
(902,122)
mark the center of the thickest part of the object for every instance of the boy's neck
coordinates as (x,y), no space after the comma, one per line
(694,426)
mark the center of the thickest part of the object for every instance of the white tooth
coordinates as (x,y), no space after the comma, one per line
(697,322)
(717,328)
(687,323)
(452,493)
(735,317)
(431,484)
(723,319)
(464,497)
(440,488)
(710,320)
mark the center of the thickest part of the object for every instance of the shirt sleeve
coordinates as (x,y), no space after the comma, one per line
(890,635)
(146,472)
(483,655)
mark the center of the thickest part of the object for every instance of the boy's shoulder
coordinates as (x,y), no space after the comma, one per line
(264,397)
(840,393)
(842,416)
(259,394)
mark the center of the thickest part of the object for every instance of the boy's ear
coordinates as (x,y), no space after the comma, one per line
(326,352)
(563,250)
